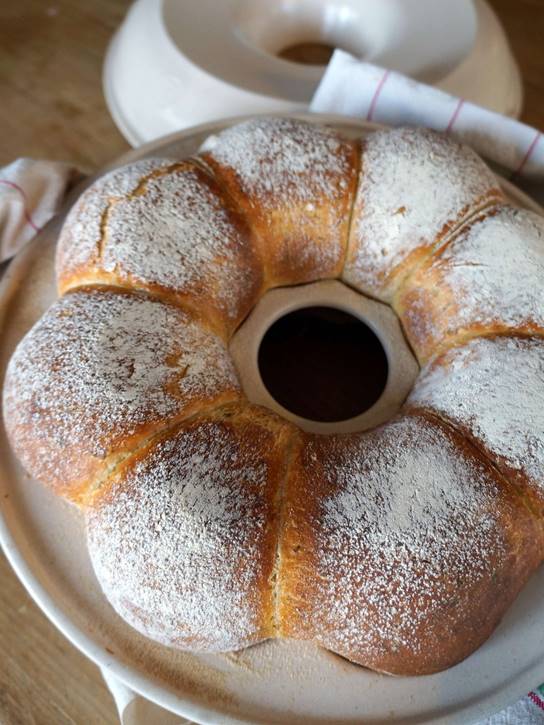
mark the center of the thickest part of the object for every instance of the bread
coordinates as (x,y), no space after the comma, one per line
(402,546)
(212,524)
(415,188)
(183,537)
(488,279)
(491,390)
(295,184)
(165,227)
(99,373)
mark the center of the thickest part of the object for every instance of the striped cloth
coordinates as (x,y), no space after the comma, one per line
(352,87)
(527,711)
(31,193)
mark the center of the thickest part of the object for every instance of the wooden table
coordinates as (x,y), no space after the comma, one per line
(52,107)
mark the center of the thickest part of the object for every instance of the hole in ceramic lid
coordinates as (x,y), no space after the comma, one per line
(244,42)
(305,33)
(307,53)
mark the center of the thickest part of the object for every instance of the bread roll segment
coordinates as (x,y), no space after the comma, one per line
(489,278)
(492,391)
(295,182)
(415,186)
(81,238)
(183,537)
(403,547)
(170,230)
(99,373)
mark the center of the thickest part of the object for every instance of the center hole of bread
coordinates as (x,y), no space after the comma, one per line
(323,364)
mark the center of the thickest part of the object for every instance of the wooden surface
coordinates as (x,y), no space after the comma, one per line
(51,55)
(52,107)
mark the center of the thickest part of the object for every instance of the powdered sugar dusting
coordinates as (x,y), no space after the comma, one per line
(280,159)
(410,520)
(81,234)
(414,184)
(494,388)
(180,234)
(491,274)
(180,543)
(182,540)
(99,365)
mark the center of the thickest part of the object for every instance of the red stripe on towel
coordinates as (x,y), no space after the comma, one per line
(377,92)
(28,218)
(528,154)
(536,699)
(453,119)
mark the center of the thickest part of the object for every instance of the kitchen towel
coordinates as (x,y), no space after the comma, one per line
(31,193)
(352,87)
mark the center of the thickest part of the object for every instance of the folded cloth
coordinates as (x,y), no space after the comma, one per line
(135,710)
(352,87)
(31,192)
(527,711)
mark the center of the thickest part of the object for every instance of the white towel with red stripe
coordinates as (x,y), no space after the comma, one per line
(527,711)
(352,87)
(31,192)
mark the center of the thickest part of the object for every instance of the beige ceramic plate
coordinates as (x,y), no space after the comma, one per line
(273,682)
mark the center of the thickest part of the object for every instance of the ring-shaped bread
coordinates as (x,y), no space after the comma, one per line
(213,524)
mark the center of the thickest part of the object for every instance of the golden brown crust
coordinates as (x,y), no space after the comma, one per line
(487,279)
(295,183)
(415,187)
(492,390)
(403,547)
(99,373)
(183,536)
(214,524)
(169,230)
